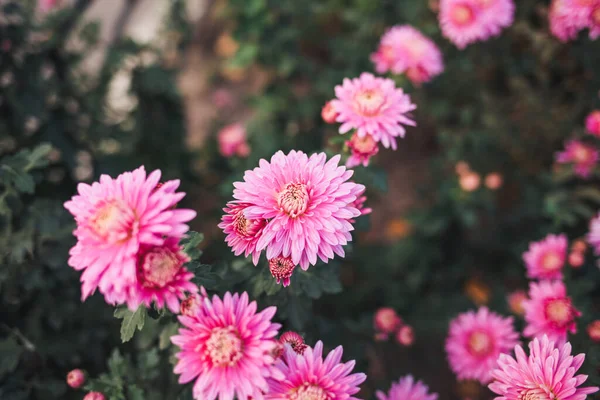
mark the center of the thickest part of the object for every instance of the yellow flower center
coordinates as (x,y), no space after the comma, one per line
(551,261)
(480,343)
(462,14)
(224,347)
(309,392)
(368,103)
(559,311)
(113,222)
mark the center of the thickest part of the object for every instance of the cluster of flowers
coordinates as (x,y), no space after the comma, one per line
(569,17)
(470,180)
(295,207)
(581,155)
(387,322)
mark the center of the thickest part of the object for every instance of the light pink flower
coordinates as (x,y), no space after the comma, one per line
(593,236)
(308,203)
(475,341)
(467,21)
(361,150)
(548,373)
(373,106)
(328,113)
(227,348)
(359,204)
(232,141)
(115,217)
(404,49)
(405,335)
(549,311)
(94,396)
(387,320)
(162,278)
(592,123)
(545,259)
(45,6)
(242,232)
(308,376)
(569,17)
(407,389)
(282,269)
(583,156)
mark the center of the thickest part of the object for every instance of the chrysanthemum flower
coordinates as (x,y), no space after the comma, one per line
(593,235)
(404,49)
(407,389)
(583,156)
(548,373)
(242,232)
(569,17)
(115,217)
(467,21)
(282,269)
(545,259)
(361,150)
(162,278)
(227,348)
(373,106)
(592,123)
(549,311)
(475,341)
(308,203)
(308,376)
(328,113)
(75,378)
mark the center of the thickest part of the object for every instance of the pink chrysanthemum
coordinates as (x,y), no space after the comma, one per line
(475,341)
(593,236)
(359,204)
(308,203)
(308,376)
(467,21)
(549,311)
(115,217)
(282,269)
(228,347)
(592,123)
(569,17)
(242,232)
(548,373)
(361,150)
(407,389)
(546,258)
(583,156)
(403,49)
(162,278)
(373,106)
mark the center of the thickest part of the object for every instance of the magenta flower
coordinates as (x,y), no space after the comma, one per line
(583,156)
(361,150)
(359,204)
(592,123)
(232,141)
(242,232)
(373,106)
(593,236)
(282,269)
(467,21)
(475,341)
(115,217)
(404,49)
(308,376)
(548,373)
(227,347)
(162,278)
(549,311)
(407,389)
(546,258)
(569,17)
(294,340)
(307,202)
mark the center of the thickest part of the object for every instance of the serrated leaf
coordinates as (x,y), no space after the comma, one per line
(164,340)
(131,321)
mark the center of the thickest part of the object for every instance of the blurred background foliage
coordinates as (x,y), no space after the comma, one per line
(431,249)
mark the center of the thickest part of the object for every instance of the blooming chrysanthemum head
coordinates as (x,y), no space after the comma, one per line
(373,106)
(228,347)
(307,202)
(115,217)
(307,376)
(294,340)
(592,123)
(545,259)
(407,389)
(467,21)
(282,269)
(593,235)
(549,311)
(583,156)
(548,373)
(403,49)
(242,232)
(475,341)
(361,150)
(232,141)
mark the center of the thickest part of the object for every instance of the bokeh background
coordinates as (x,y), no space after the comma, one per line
(95,87)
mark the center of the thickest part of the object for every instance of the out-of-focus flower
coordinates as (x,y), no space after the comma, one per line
(232,141)
(477,291)
(549,311)
(361,150)
(75,378)
(593,235)
(583,156)
(407,389)
(470,181)
(462,168)
(547,373)
(328,113)
(386,320)
(223,98)
(576,259)
(404,49)
(398,228)
(494,181)
(545,259)
(593,331)
(569,17)
(515,302)
(592,123)
(373,106)
(94,396)
(405,335)
(579,246)
(475,341)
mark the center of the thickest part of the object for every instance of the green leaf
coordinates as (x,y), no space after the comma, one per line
(10,352)
(164,340)
(190,244)
(131,321)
